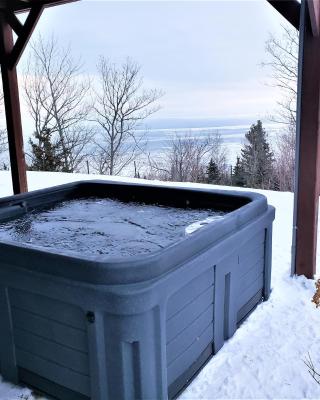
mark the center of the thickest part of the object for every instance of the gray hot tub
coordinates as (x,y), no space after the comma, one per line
(138,317)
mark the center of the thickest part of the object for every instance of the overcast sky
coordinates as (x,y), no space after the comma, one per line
(205,56)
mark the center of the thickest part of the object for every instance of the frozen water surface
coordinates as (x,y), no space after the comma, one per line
(105,226)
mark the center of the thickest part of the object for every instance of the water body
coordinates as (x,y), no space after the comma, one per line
(96,226)
(160,135)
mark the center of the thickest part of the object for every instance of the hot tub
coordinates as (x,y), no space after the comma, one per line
(139,321)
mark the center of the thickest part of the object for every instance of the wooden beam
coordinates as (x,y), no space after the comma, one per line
(14,22)
(314,14)
(24,35)
(289,9)
(10,54)
(308,150)
(23,6)
(12,109)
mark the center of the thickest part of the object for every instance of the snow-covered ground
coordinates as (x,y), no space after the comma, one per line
(264,359)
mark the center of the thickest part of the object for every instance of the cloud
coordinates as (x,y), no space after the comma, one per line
(204,55)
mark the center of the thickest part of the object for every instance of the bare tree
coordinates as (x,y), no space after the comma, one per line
(3,132)
(187,159)
(311,369)
(219,154)
(56,94)
(121,105)
(284,164)
(283,62)
(3,141)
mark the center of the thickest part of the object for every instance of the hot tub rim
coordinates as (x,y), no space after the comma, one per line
(22,255)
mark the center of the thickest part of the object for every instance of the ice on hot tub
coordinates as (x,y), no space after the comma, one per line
(200,224)
(106,226)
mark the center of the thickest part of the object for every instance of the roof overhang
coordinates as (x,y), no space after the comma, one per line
(289,9)
(25,5)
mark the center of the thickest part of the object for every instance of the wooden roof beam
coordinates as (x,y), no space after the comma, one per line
(26,5)
(23,32)
(289,9)
(14,22)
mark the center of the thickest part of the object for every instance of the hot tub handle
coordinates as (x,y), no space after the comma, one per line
(90,317)
(21,204)
(13,210)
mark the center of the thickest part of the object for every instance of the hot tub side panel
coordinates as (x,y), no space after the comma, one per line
(208,309)
(242,281)
(189,329)
(49,348)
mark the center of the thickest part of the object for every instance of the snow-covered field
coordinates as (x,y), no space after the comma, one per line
(264,359)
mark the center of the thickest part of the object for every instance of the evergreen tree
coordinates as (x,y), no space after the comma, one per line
(46,155)
(238,177)
(213,173)
(257,158)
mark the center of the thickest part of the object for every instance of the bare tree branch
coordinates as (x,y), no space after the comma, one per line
(283,62)
(311,368)
(285,159)
(56,92)
(3,131)
(121,105)
(187,159)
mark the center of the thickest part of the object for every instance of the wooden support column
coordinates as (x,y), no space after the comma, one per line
(308,146)
(313,8)
(12,108)
(10,54)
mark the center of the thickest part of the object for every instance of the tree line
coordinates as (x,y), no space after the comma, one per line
(205,161)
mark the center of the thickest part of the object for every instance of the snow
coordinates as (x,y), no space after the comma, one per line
(264,359)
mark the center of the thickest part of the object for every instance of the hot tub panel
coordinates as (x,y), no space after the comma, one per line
(50,340)
(189,326)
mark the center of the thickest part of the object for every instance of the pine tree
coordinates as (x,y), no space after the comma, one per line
(257,158)
(46,155)
(238,178)
(213,173)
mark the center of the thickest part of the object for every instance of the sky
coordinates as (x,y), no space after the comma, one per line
(205,56)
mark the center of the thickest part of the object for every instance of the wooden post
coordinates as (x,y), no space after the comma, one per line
(10,54)
(308,148)
(12,108)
